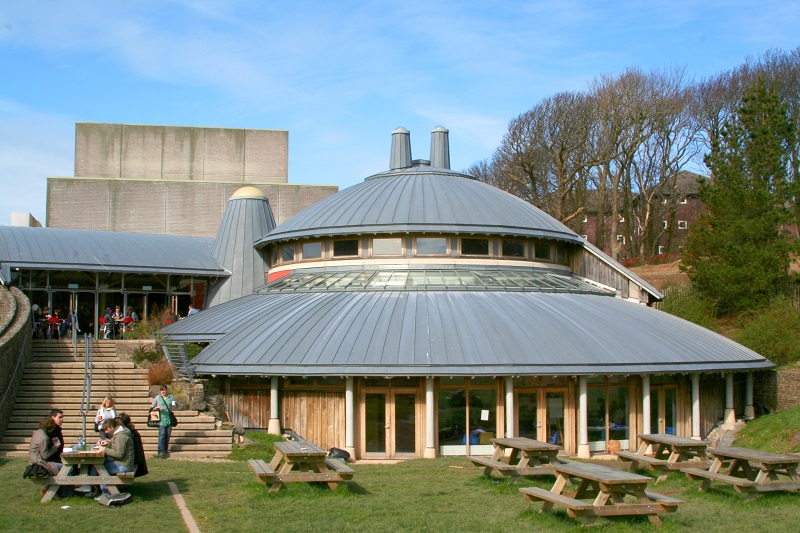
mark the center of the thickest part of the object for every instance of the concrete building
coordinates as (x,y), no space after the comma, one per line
(171,179)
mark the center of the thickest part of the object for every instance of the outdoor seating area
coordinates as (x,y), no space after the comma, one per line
(588,490)
(669,453)
(608,486)
(90,471)
(300,461)
(519,457)
(749,471)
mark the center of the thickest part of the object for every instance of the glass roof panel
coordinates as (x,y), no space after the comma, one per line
(431,279)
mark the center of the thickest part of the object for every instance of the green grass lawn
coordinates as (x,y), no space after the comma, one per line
(445,494)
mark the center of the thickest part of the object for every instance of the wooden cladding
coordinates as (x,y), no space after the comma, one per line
(248,402)
(317,416)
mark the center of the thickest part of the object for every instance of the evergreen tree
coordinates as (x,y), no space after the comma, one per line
(740,248)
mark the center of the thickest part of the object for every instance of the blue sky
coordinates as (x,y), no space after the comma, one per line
(339,76)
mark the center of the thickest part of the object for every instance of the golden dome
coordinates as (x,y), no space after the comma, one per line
(249,191)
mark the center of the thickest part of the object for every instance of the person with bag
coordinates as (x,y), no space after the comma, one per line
(106,411)
(164,402)
(43,447)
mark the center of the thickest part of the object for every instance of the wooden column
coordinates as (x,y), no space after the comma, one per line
(749,411)
(696,406)
(583,420)
(430,437)
(349,410)
(509,382)
(274,427)
(730,413)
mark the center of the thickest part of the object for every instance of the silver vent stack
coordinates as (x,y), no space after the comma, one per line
(440,147)
(401,149)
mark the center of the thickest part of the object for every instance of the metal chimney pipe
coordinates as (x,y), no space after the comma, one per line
(401,149)
(440,147)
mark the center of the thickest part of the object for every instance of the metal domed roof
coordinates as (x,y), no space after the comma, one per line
(421,199)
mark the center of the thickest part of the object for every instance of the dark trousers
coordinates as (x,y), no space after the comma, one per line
(164,433)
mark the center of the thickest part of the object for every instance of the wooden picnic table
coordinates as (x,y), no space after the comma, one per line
(750,471)
(84,461)
(526,457)
(608,486)
(300,461)
(670,453)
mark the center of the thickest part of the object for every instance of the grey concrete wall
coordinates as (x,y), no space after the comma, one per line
(181,153)
(163,206)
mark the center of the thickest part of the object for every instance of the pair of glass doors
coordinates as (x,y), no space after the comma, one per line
(390,424)
(540,415)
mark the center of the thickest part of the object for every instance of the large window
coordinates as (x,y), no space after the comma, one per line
(474,246)
(387,246)
(608,415)
(467,415)
(542,251)
(312,250)
(345,248)
(513,248)
(287,253)
(431,246)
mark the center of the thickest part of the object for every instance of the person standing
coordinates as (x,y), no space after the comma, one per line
(56,435)
(192,311)
(165,402)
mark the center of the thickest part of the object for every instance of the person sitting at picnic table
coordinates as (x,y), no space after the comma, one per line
(43,447)
(138,447)
(119,450)
(56,434)
(104,412)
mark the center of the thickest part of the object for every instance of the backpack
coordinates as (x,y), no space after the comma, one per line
(35,471)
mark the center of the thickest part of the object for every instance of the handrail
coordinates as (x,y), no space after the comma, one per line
(86,397)
(11,380)
(175,351)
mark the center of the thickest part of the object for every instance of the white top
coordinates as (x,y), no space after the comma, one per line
(105,414)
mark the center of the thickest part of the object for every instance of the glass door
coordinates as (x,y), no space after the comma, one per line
(663,409)
(390,424)
(528,415)
(554,415)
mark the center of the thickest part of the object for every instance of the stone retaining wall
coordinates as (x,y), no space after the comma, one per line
(15,348)
(776,390)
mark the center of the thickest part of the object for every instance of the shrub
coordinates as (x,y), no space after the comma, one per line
(773,331)
(159,373)
(144,355)
(689,306)
(193,348)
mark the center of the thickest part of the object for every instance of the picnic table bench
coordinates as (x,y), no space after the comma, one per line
(526,457)
(300,461)
(609,488)
(86,462)
(749,471)
(670,453)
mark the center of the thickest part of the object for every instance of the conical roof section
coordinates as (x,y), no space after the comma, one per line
(421,199)
(247,218)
